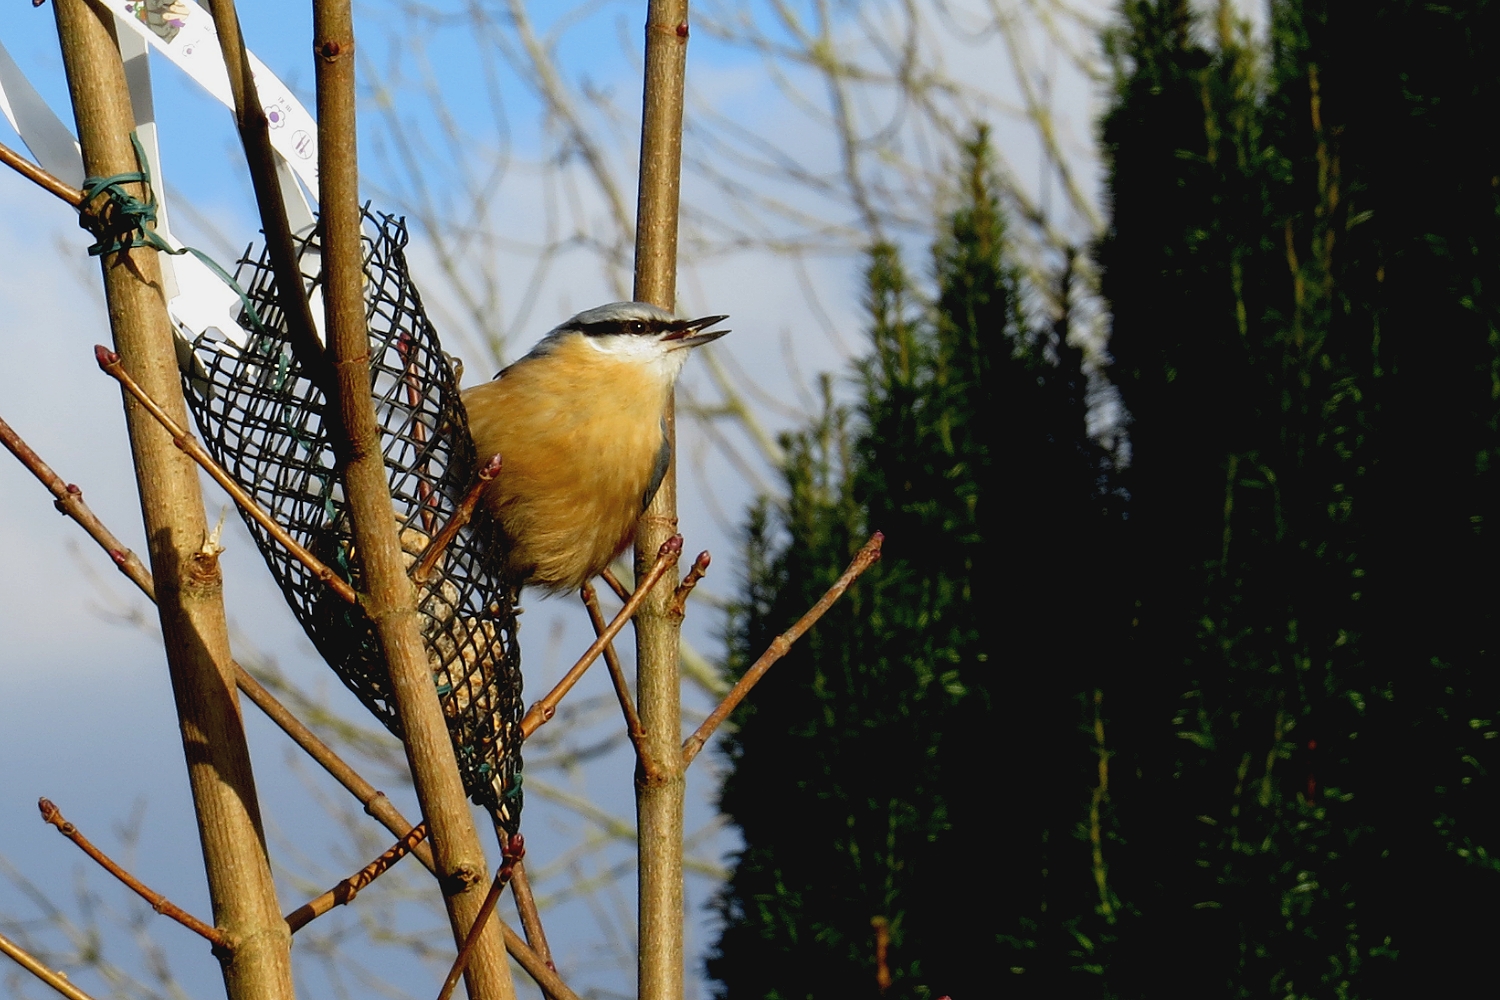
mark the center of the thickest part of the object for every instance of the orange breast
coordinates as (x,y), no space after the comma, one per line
(579,434)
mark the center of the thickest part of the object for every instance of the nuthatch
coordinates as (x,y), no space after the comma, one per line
(580,425)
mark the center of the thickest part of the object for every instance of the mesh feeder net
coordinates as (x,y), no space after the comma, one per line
(263,420)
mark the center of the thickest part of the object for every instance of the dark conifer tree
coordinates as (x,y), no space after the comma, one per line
(914,770)
(1286,642)
(1300,268)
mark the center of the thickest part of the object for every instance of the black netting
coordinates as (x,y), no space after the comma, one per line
(263,421)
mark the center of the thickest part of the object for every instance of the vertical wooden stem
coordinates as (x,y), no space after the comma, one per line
(390,599)
(660,787)
(257,965)
(260,158)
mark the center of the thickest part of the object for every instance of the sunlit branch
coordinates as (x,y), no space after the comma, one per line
(375,802)
(695,666)
(536,967)
(109,362)
(531,917)
(542,712)
(31,964)
(617,678)
(608,576)
(159,903)
(779,647)
(69,500)
(696,573)
(460,517)
(344,893)
(513,852)
(40,177)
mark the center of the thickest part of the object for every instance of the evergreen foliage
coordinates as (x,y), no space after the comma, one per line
(1283,784)
(887,772)
(1300,270)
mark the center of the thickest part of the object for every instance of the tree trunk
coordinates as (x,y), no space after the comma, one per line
(184,561)
(659,799)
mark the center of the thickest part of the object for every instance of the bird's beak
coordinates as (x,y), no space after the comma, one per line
(685,333)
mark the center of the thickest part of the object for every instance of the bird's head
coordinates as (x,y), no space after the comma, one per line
(637,332)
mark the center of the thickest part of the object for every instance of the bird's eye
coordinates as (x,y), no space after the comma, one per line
(636,326)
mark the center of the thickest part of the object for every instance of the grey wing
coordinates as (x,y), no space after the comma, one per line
(658,471)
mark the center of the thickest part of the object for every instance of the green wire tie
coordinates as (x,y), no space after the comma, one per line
(130,224)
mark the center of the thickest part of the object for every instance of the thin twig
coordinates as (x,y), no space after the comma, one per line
(882,927)
(609,577)
(31,964)
(376,804)
(513,852)
(622,689)
(161,904)
(1097,798)
(40,177)
(375,801)
(680,595)
(380,807)
(531,917)
(541,713)
(461,517)
(260,160)
(345,891)
(862,561)
(536,967)
(69,500)
(1014,35)
(109,361)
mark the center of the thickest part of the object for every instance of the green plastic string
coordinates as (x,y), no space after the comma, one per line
(134,220)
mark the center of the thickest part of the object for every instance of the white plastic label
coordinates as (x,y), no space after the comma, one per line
(184,33)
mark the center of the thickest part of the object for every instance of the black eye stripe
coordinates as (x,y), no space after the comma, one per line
(614,327)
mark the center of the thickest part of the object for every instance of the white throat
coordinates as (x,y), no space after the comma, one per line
(662,361)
